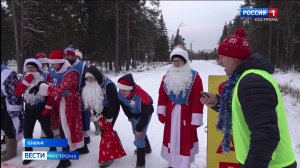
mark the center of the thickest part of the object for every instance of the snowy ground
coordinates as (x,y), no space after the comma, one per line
(291,78)
(150,81)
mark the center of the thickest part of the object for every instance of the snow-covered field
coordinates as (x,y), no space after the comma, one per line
(291,78)
(150,81)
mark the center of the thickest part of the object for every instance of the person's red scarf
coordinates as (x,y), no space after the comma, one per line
(144,96)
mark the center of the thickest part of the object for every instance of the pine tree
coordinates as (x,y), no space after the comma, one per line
(162,46)
(7,40)
(179,40)
(224,33)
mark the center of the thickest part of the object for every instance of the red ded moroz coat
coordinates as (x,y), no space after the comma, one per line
(69,106)
(180,141)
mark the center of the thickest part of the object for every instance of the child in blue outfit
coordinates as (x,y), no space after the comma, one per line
(137,105)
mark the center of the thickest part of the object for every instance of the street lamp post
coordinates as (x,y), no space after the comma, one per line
(178,39)
(180,25)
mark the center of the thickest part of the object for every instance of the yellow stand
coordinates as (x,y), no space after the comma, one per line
(215,157)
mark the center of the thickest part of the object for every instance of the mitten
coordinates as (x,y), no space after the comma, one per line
(29,78)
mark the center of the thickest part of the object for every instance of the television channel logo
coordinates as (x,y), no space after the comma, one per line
(260,14)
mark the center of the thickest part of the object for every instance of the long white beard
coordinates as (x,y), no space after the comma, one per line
(30,98)
(178,79)
(92,97)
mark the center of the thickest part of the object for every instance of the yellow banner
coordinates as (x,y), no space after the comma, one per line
(215,157)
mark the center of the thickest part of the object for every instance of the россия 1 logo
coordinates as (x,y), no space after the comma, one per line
(260,14)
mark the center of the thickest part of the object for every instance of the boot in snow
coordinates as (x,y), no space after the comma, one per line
(83,150)
(140,161)
(26,162)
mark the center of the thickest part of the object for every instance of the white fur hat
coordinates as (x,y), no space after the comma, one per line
(181,52)
(33,60)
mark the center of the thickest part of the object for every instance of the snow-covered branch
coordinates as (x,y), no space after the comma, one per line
(32,29)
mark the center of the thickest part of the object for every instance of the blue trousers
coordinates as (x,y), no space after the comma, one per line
(139,142)
(86,119)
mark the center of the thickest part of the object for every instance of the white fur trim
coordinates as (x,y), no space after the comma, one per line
(172,152)
(197,119)
(43,60)
(4,75)
(34,61)
(25,83)
(124,87)
(87,74)
(175,129)
(177,160)
(161,110)
(78,53)
(65,127)
(48,107)
(56,61)
(180,51)
(43,90)
(64,67)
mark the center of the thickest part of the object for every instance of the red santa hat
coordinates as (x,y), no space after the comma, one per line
(124,85)
(181,53)
(42,57)
(56,57)
(126,82)
(33,62)
(235,46)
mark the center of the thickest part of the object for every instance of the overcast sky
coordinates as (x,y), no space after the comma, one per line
(203,20)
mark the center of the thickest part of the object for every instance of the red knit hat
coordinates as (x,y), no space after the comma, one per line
(56,57)
(42,57)
(235,46)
